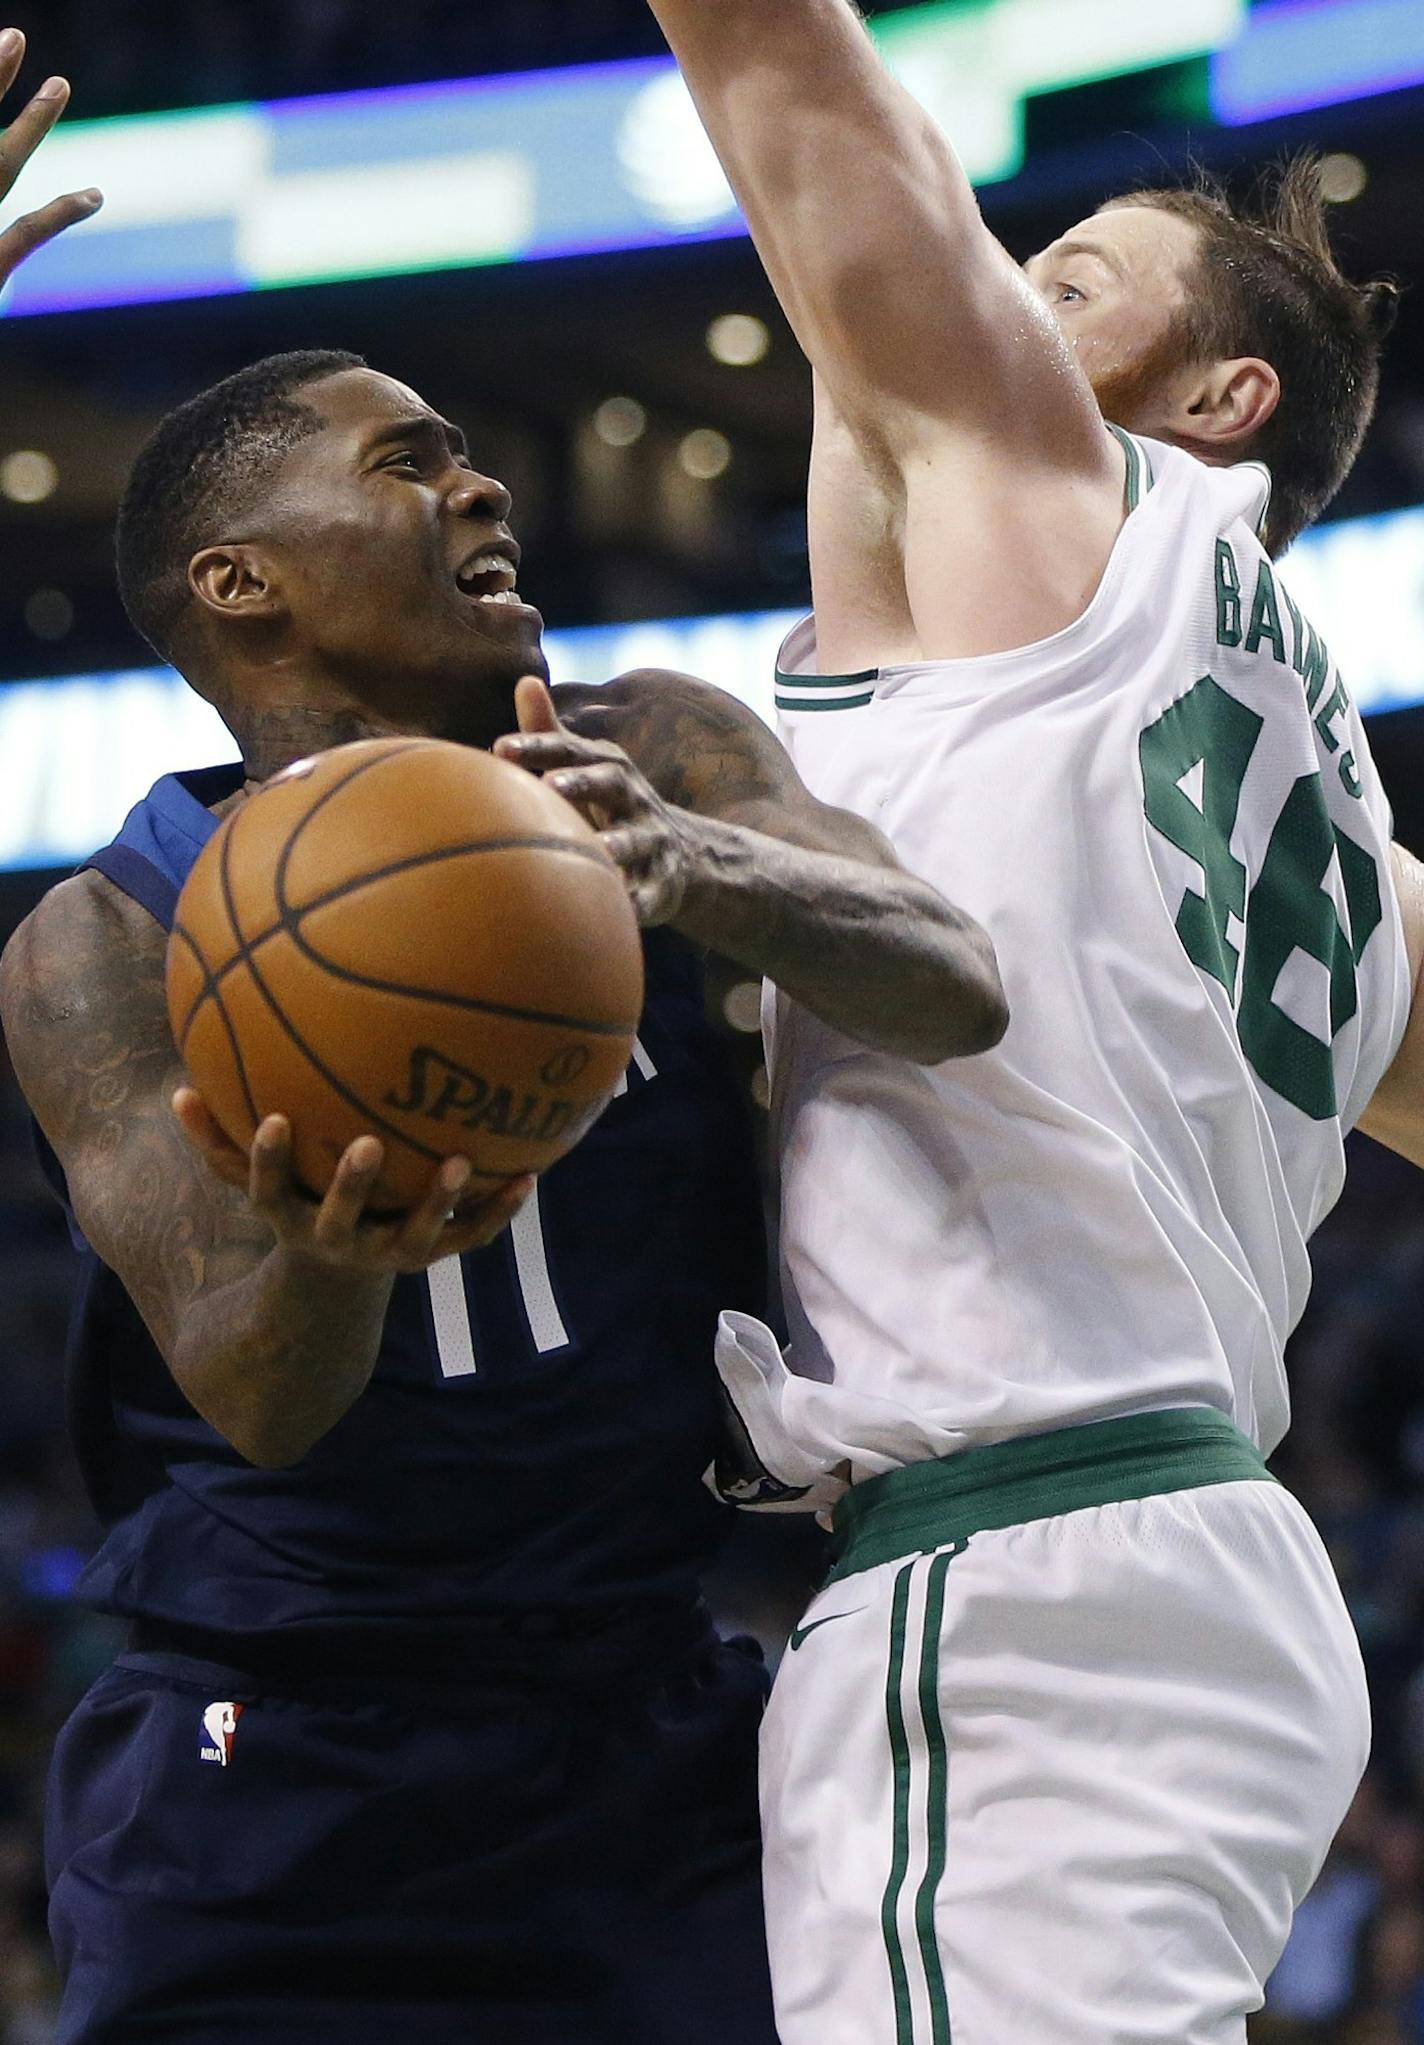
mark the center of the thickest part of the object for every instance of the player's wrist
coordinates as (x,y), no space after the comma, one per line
(712,868)
(304,1269)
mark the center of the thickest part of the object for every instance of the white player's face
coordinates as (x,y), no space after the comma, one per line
(1116,285)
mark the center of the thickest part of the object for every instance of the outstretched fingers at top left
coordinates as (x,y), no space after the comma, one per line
(17,145)
(32,230)
(12,56)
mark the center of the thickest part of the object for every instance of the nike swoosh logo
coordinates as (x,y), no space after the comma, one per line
(801,1634)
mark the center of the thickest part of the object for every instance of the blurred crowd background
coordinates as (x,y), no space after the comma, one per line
(530,358)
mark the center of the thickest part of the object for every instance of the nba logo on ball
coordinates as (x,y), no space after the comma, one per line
(219,1725)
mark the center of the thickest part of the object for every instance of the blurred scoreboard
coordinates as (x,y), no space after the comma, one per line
(610,157)
(77,752)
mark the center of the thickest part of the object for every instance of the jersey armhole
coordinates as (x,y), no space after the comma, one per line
(139,879)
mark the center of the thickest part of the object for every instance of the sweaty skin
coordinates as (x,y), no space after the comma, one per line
(959,400)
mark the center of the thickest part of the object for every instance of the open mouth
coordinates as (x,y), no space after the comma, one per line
(489,579)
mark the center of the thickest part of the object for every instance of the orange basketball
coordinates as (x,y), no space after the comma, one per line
(410,940)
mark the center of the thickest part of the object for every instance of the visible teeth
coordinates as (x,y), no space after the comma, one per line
(497,568)
(503,596)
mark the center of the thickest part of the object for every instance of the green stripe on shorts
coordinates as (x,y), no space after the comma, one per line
(900,1857)
(937,1828)
(919,1759)
(932,1505)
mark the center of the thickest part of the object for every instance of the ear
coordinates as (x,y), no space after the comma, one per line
(235,582)
(1226,404)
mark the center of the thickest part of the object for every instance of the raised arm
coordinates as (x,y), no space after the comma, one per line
(1395,1117)
(856,525)
(267,1309)
(932,344)
(869,229)
(719,836)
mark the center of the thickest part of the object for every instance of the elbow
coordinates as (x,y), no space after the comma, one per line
(970,1012)
(976,1025)
(985,1021)
(993,1022)
(990,1003)
(265,1441)
(263,1434)
(270,1451)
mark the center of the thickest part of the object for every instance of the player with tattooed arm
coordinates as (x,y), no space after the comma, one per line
(421,1731)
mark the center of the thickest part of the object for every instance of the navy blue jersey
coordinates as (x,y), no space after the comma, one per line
(533,1437)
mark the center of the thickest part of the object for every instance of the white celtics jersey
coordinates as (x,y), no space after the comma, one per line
(1168,821)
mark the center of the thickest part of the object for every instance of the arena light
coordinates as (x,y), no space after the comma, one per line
(620,422)
(705,454)
(518,168)
(28,476)
(739,340)
(76,753)
(1343,178)
(1299,54)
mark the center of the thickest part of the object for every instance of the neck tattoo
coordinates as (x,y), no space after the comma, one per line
(282,737)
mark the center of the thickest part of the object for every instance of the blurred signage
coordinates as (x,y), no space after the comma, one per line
(76,753)
(603,157)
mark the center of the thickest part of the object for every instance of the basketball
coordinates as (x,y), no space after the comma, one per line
(411,940)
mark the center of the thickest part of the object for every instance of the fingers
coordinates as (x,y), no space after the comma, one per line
(607,792)
(342,1211)
(18,144)
(478,1227)
(598,779)
(416,1242)
(641,854)
(340,1231)
(29,128)
(32,230)
(270,1185)
(12,56)
(653,873)
(541,752)
(534,706)
(211,1142)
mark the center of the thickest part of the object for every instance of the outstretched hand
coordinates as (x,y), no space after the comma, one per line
(340,1230)
(652,844)
(18,144)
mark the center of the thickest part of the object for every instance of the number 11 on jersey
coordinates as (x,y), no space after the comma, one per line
(450,1309)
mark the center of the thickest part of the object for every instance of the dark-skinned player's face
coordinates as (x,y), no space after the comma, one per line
(396,563)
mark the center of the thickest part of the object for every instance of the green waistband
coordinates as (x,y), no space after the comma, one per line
(930,1505)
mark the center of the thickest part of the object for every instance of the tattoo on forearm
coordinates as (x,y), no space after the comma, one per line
(272,1355)
(101,1069)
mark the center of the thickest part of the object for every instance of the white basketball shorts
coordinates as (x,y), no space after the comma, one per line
(1059,1748)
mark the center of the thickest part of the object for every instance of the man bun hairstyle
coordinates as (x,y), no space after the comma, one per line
(1266,283)
(200,475)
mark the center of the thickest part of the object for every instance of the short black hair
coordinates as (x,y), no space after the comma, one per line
(1266,282)
(201,470)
